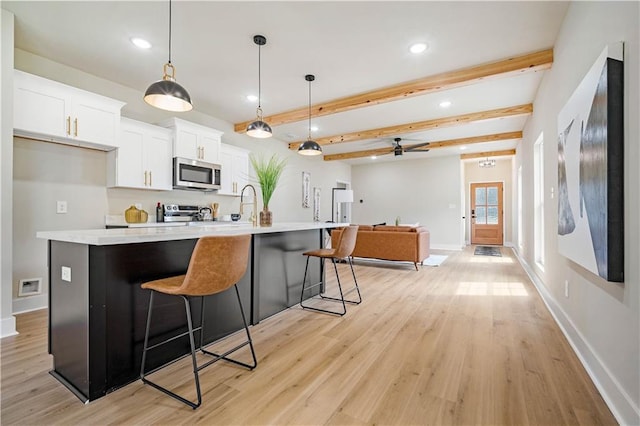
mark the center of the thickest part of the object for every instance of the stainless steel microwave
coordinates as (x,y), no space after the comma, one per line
(195,175)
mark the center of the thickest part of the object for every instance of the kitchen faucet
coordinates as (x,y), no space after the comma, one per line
(254,213)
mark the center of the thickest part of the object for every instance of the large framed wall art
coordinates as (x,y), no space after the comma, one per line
(590,170)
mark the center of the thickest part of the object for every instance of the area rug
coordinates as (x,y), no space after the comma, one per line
(487,251)
(434,260)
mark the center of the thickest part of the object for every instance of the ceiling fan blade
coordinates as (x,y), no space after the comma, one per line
(419,147)
(358,154)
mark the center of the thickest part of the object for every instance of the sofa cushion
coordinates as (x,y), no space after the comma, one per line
(389,228)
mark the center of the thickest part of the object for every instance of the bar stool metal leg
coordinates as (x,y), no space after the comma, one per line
(196,368)
(146,348)
(249,342)
(341,299)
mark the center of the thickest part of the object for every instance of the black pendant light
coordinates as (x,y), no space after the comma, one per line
(259,129)
(309,147)
(167,94)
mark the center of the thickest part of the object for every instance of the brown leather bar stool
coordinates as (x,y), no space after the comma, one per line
(343,250)
(216,264)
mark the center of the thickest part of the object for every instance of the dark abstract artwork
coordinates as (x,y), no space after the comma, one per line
(590,170)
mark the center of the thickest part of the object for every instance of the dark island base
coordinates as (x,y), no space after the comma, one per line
(97,321)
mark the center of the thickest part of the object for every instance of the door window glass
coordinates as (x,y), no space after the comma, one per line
(481,196)
(492,196)
(481,216)
(492,215)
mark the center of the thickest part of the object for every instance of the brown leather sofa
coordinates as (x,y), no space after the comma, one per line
(405,243)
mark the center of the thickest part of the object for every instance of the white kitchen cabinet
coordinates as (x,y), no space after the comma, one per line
(234,174)
(52,111)
(143,159)
(194,141)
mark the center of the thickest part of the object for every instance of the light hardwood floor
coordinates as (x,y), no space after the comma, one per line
(468,342)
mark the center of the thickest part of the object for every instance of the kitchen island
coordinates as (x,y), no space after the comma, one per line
(97,310)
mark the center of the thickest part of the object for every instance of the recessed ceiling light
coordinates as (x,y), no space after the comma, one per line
(462,148)
(445,104)
(141,43)
(252,98)
(314,128)
(373,157)
(418,48)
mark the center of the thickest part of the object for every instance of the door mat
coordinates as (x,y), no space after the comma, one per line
(487,251)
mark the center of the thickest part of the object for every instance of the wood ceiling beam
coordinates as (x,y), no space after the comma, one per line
(423,125)
(517,65)
(358,154)
(437,144)
(488,154)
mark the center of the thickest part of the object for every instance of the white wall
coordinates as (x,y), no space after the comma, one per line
(502,172)
(7,321)
(600,318)
(47,172)
(424,190)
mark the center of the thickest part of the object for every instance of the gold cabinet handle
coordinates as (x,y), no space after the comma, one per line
(68,125)
(145,178)
(75,130)
(150,179)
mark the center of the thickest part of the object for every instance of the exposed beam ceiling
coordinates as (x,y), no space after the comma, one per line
(518,65)
(423,125)
(488,154)
(432,145)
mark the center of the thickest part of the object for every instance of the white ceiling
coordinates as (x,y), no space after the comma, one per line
(351,47)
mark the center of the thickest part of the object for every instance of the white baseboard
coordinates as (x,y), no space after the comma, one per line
(506,243)
(624,409)
(30,303)
(8,326)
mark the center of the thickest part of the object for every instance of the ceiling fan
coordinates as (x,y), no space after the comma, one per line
(399,149)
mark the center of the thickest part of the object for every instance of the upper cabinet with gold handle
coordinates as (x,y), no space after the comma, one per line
(145,152)
(194,141)
(234,173)
(48,110)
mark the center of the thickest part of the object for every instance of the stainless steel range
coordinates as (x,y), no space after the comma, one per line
(186,213)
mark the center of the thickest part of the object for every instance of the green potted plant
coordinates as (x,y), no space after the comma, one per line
(268,173)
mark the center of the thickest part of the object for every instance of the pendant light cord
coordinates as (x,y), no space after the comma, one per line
(309,110)
(259,80)
(169,31)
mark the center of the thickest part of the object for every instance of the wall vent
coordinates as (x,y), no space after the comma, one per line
(30,287)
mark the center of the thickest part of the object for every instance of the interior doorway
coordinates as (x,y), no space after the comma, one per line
(341,208)
(487,213)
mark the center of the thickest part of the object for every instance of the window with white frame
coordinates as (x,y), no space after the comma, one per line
(520,236)
(538,200)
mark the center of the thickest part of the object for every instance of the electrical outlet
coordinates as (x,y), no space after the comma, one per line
(66,274)
(566,288)
(61,207)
